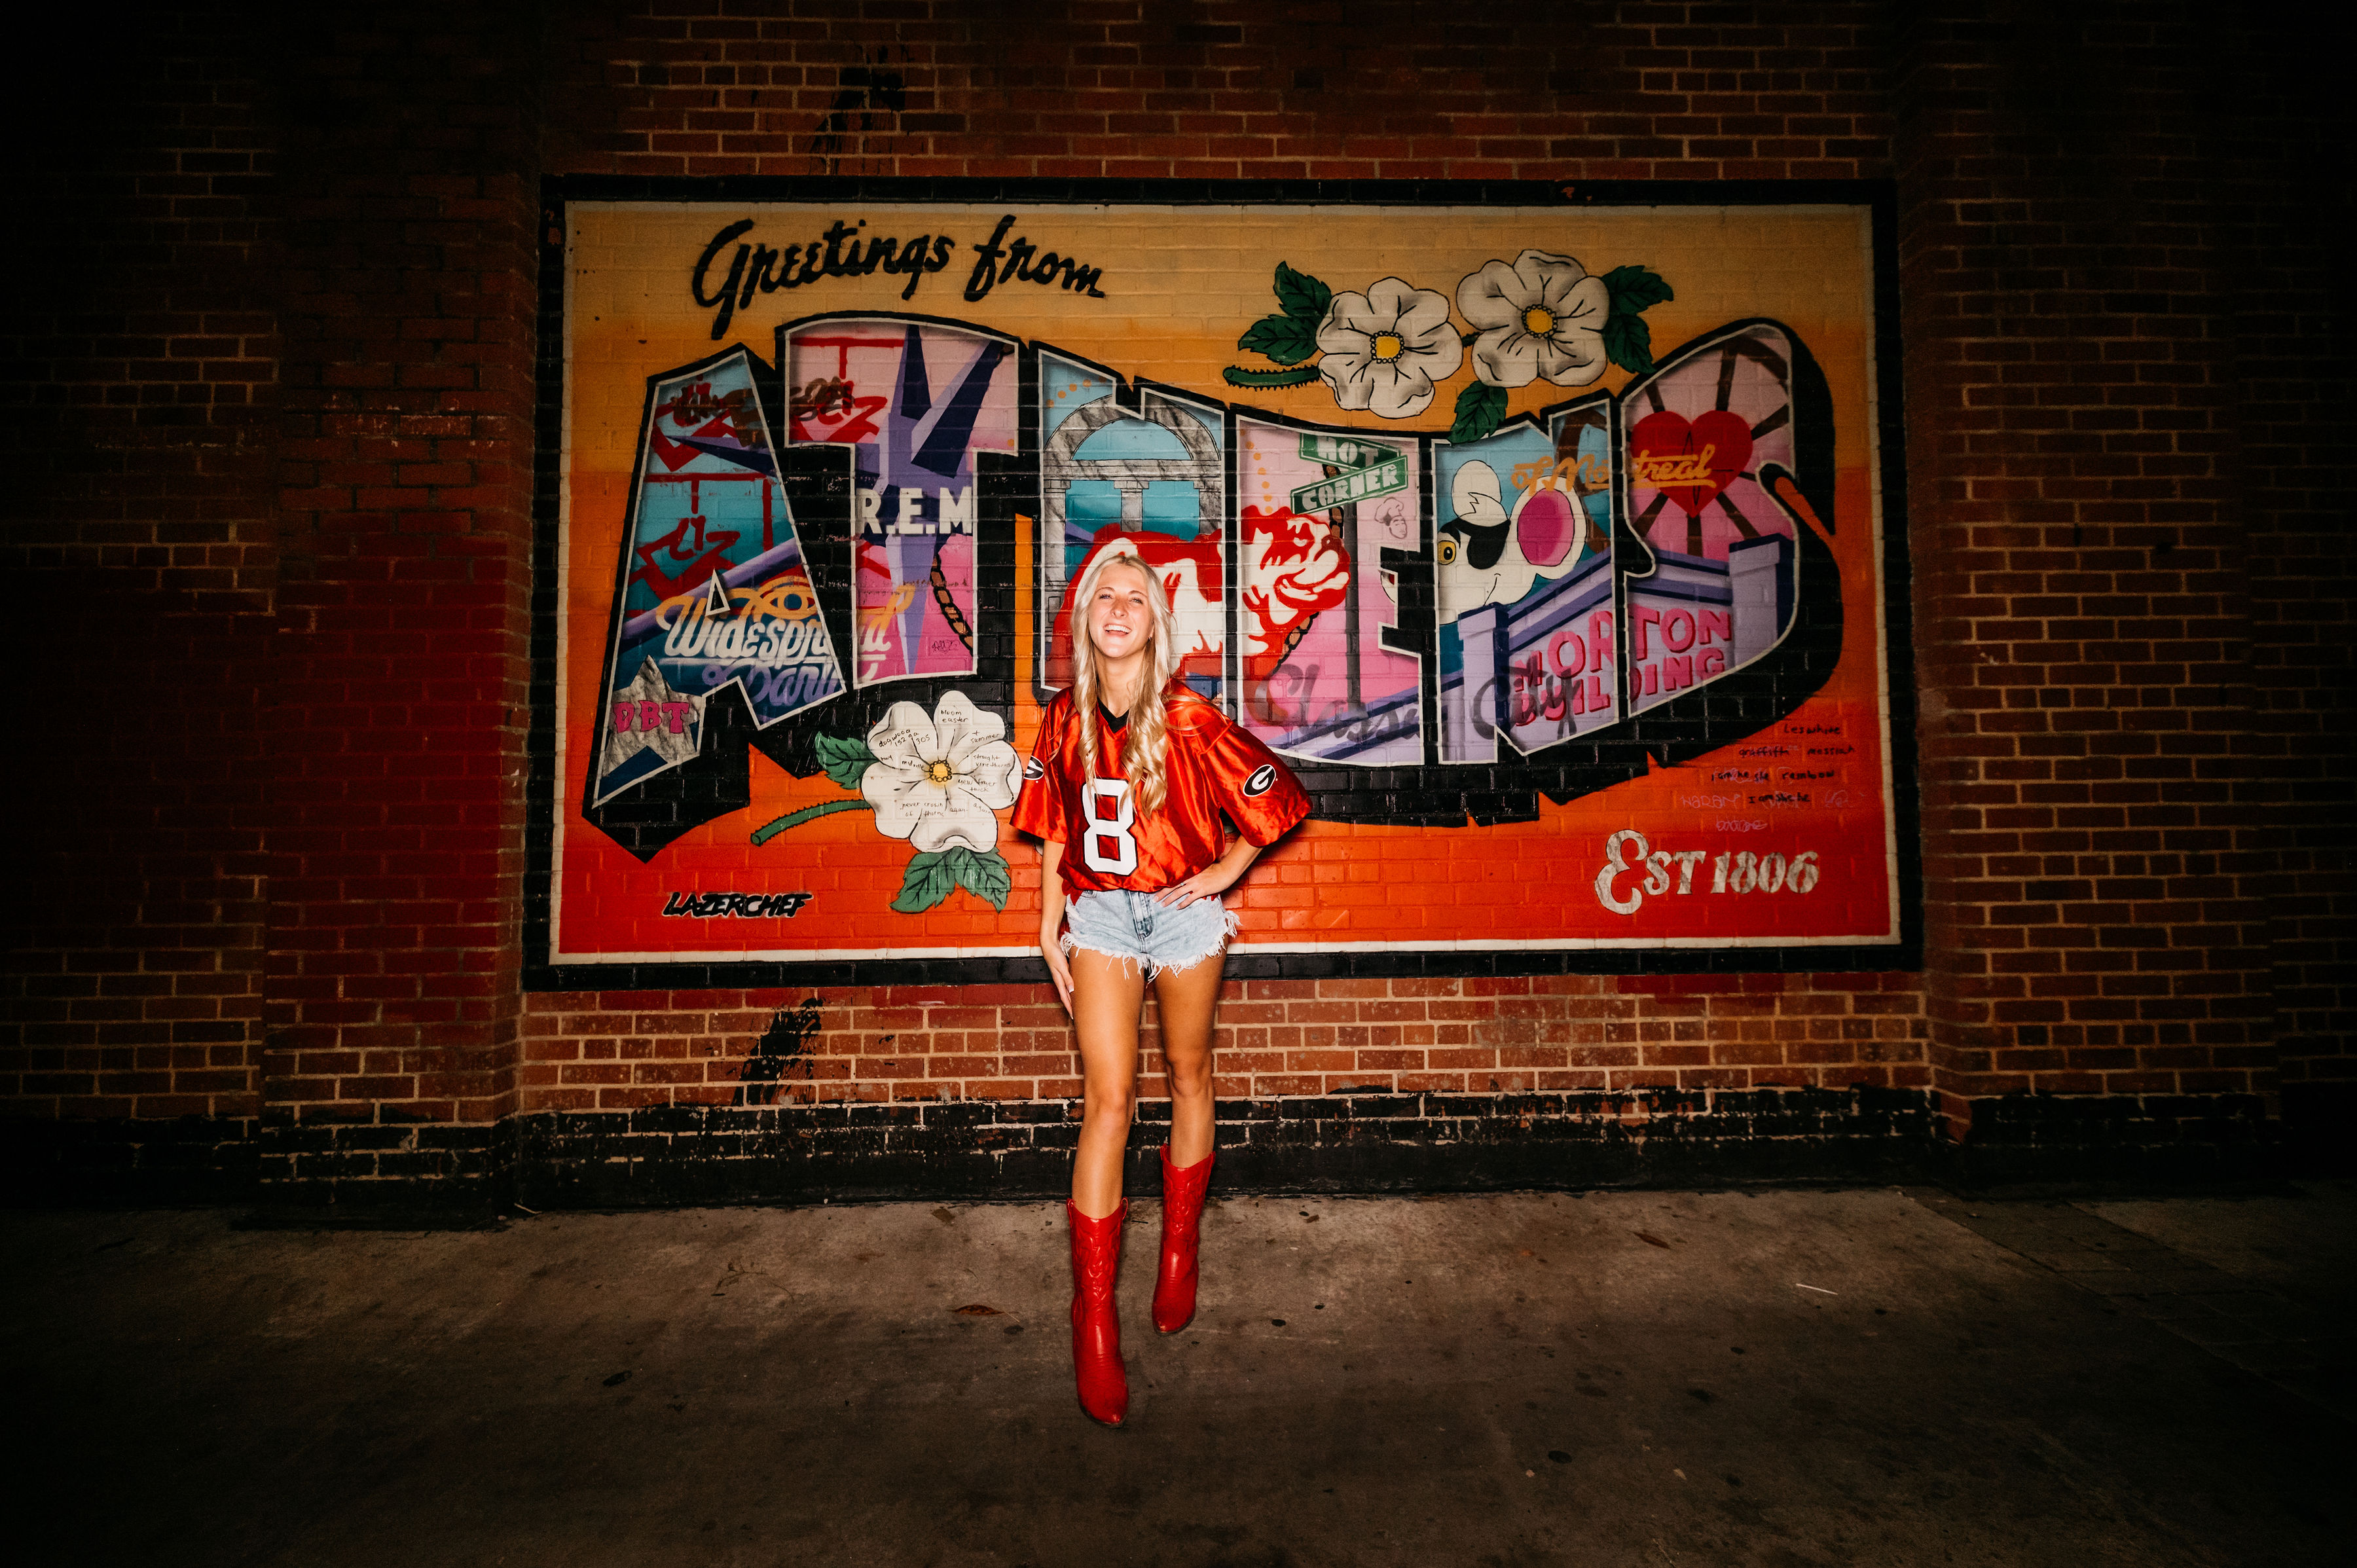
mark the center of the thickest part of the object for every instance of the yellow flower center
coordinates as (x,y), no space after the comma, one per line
(938,773)
(1538,321)
(1388,346)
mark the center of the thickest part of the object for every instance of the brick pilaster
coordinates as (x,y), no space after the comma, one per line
(2094,846)
(411,212)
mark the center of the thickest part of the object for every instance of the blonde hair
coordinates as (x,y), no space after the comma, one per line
(1146,743)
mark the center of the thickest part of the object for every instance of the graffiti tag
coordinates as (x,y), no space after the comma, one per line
(736,906)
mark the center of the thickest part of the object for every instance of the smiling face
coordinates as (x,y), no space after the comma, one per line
(1120,616)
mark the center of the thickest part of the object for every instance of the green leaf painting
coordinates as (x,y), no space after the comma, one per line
(1635,288)
(1479,408)
(1629,342)
(1289,337)
(1304,298)
(845,758)
(934,875)
(929,882)
(984,875)
(1282,338)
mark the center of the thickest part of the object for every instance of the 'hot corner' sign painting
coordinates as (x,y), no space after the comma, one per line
(1547,543)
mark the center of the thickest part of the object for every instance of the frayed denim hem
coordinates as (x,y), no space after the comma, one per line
(1151,970)
(1072,946)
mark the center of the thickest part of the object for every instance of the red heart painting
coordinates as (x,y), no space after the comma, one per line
(1690,461)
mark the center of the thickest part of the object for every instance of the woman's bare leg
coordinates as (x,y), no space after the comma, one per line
(1186,999)
(1107,995)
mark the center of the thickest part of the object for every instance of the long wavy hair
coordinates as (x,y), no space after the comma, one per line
(1146,743)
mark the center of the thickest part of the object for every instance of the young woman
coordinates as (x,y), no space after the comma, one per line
(1125,789)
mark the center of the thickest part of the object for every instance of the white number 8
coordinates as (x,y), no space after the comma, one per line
(1110,830)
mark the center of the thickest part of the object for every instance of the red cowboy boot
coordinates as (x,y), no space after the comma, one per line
(1182,1223)
(1096,1326)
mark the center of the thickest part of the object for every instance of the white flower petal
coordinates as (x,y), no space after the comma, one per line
(1421,311)
(963,729)
(1506,357)
(1354,313)
(1545,277)
(892,792)
(1333,338)
(1438,351)
(1585,306)
(1401,390)
(994,774)
(1388,297)
(1488,298)
(1572,358)
(977,830)
(903,735)
(1348,375)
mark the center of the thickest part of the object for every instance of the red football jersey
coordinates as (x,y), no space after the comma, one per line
(1215,768)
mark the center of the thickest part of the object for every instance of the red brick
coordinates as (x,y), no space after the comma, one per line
(2129,593)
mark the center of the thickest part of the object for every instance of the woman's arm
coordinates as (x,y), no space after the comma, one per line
(1213,879)
(1051,919)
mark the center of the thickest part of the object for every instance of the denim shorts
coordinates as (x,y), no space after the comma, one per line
(1131,926)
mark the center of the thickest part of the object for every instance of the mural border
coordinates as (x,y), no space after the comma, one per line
(1879,198)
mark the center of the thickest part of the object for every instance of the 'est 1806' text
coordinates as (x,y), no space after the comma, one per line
(1628,854)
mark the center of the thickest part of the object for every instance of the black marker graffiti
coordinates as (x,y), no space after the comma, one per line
(779,1049)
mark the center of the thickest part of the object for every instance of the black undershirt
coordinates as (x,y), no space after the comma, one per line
(1115,723)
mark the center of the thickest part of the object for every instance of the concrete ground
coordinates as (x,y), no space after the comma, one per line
(1776,1378)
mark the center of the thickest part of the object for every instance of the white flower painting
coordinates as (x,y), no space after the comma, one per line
(1384,348)
(1539,316)
(941,780)
(937,780)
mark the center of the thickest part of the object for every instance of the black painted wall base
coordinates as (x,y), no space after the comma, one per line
(2158,1138)
(430,1166)
(1022,1149)
(186,1160)
(2317,1117)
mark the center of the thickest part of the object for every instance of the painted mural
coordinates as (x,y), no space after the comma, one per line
(1547,543)
(914,403)
(712,593)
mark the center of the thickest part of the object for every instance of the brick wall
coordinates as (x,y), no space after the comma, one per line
(1122,89)
(409,206)
(1240,92)
(142,351)
(2112,682)
(274,413)
(617,1050)
(2291,375)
